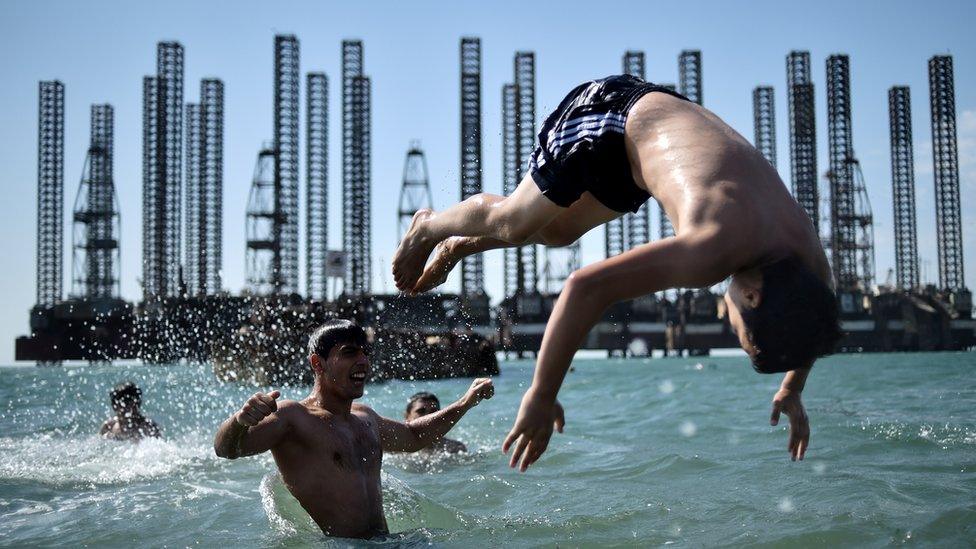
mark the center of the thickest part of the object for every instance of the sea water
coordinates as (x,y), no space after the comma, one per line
(655,452)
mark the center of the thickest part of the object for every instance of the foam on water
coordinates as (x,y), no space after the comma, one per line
(50,459)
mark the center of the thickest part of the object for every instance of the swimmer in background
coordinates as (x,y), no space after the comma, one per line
(329,449)
(128,422)
(422,404)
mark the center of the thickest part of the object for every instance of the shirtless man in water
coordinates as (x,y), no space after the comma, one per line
(328,448)
(609,146)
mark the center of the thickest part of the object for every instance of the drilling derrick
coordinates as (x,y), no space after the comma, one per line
(803,134)
(96,217)
(317,183)
(637,225)
(472,267)
(356,235)
(415,193)
(850,213)
(204,189)
(518,141)
(162,173)
(272,208)
(945,159)
(764,122)
(690,75)
(510,180)
(50,191)
(903,187)
(262,217)
(285,277)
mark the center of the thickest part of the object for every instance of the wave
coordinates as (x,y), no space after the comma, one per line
(50,459)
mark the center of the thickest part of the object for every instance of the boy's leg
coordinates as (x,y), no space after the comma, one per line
(566,228)
(512,219)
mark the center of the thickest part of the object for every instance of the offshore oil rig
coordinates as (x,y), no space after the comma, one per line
(186,314)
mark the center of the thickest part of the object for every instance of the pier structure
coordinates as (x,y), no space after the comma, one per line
(415,192)
(316,185)
(50,191)
(356,174)
(803,134)
(265,327)
(851,221)
(473,266)
(945,159)
(764,122)
(204,189)
(95,272)
(903,187)
(162,169)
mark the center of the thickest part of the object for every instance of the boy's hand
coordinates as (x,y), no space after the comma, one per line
(481,389)
(533,427)
(788,402)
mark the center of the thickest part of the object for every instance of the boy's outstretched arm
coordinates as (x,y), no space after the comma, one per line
(418,434)
(691,260)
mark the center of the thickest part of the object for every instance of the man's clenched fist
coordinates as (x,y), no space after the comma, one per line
(258,407)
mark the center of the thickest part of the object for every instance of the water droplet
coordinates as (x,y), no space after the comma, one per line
(688,429)
(785,505)
(666,387)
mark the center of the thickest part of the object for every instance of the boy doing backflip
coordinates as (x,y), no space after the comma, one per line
(609,146)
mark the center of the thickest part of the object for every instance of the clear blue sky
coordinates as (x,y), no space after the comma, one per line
(102,49)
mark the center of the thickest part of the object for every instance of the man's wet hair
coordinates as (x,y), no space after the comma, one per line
(796,321)
(125,393)
(334,332)
(422,395)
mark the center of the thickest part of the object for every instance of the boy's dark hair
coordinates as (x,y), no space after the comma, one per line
(125,393)
(796,320)
(422,395)
(334,332)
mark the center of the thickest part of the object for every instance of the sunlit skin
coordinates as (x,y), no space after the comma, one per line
(731,213)
(422,407)
(328,448)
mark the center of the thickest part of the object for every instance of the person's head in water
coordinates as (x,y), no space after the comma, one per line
(126,399)
(339,354)
(420,405)
(784,315)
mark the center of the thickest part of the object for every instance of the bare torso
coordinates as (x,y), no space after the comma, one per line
(705,174)
(331,464)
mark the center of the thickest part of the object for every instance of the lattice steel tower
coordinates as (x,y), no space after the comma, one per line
(272,213)
(903,187)
(764,122)
(690,75)
(356,230)
(50,190)
(96,216)
(415,192)
(945,159)
(472,267)
(162,173)
(518,140)
(316,183)
(632,229)
(803,134)
(204,189)
(850,216)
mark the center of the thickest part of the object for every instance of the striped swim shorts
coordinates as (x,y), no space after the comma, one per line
(581,145)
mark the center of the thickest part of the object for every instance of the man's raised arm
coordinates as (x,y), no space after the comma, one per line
(257,427)
(422,432)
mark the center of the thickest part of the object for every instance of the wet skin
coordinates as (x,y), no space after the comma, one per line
(328,448)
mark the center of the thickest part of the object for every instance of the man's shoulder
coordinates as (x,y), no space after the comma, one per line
(361,408)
